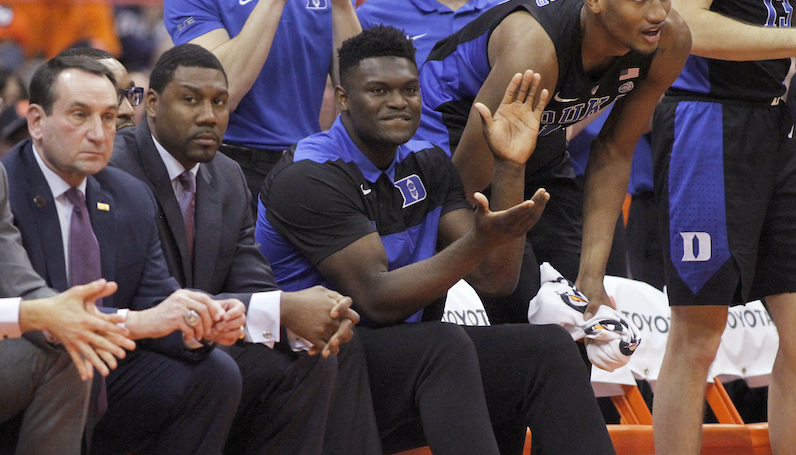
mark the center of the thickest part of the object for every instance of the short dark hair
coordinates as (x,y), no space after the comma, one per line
(42,86)
(189,55)
(90,52)
(378,41)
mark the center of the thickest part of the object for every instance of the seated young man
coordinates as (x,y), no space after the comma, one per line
(384,219)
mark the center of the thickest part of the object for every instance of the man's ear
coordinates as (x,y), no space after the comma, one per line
(151,102)
(35,116)
(595,6)
(341,95)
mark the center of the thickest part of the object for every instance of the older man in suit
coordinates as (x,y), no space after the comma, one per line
(79,219)
(211,247)
(129,95)
(36,377)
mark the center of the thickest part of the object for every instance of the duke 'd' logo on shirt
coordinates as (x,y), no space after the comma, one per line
(316,4)
(411,189)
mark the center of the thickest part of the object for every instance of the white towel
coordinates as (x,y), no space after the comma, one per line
(610,338)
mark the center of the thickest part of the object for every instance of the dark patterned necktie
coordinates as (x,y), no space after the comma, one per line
(84,253)
(187,203)
(84,267)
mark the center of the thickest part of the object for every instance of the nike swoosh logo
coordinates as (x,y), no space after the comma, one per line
(243,2)
(563,100)
(419,36)
(365,192)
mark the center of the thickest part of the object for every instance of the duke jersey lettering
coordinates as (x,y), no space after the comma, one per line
(458,66)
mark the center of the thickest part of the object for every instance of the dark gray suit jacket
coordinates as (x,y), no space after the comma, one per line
(226,257)
(17,277)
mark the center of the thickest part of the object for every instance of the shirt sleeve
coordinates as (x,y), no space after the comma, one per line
(364,16)
(455,198)
(317,207)
(189,19)
(263,318)
(296,342)
(9,318)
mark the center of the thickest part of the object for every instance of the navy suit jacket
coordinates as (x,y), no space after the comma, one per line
(226,257)
(127,234)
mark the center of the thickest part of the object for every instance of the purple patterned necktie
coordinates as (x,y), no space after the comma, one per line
(85,267)
(84,253)
(187,203)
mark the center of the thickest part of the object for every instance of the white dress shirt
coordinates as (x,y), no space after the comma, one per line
(9,318)
(63,205)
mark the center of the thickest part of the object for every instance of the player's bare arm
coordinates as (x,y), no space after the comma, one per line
(345,24)
(517,31)
(243,57)
(608,170)
(511,137)
(384,296)
(720,37)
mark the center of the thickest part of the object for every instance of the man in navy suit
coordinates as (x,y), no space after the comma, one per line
(41,393)
(173,394)
(286,394)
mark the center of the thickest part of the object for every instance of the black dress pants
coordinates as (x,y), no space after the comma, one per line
(534,377)
(285,401)
(426,389)
(161,405)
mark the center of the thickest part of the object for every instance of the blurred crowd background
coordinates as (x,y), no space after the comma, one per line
(32,31)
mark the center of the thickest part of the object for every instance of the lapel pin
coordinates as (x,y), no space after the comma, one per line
(39,201)
(103,206)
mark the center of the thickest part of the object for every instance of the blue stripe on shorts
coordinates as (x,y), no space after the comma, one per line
(697,215)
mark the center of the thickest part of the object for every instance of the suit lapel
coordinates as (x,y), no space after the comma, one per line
(41,203)
(158,176)
(207,221)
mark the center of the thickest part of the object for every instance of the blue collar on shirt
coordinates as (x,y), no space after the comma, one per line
(337,144)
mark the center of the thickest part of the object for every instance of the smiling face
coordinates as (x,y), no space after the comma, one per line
(190,117)
(636,24)
(76,139)
(380,100)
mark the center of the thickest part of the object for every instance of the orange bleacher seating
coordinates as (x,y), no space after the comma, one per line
(728,437)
